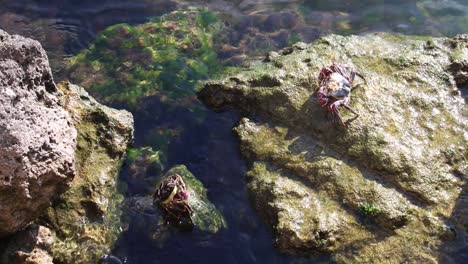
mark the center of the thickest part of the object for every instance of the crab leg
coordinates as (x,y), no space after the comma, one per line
(361,76)
(337,112)
(335,108)
(351,109)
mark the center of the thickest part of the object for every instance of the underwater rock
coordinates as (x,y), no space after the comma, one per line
(400,163)
(164,57)
(145,218)
(38,139)
(145,168)
(86,219)
(31,245)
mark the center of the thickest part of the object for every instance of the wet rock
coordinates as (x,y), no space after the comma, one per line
(86,219)
(38,139)
(32,246)
(302,218)
(322,169)
(206,217)
(389,172)
(145,218)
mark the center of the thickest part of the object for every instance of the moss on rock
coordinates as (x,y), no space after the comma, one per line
(302,218)
(86,219)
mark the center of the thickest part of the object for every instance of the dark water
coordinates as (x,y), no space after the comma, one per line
(209,149)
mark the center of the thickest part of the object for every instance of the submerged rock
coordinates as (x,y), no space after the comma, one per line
(164,57)
(145,168)
(37,137)
(86,219)
(390,180)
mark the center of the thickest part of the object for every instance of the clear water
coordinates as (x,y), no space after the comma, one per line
(209,149)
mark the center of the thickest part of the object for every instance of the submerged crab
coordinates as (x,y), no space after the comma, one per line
(336,83)
(172,197)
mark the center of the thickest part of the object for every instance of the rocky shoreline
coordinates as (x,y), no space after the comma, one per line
(390,188)
(382,190)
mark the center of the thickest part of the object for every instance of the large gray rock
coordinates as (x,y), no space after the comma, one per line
(37,137)
(382,190)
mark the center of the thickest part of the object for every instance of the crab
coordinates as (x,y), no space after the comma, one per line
(172,197)
(336,84)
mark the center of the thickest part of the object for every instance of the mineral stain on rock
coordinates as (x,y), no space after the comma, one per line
(381,190)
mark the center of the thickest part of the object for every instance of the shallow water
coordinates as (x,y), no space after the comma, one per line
(209,149)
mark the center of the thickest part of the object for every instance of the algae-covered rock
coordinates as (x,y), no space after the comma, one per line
(206,217)
(145,218)
(86,219)
(302,218)
(325,171)
(152,70)
(163,57)
(396,171)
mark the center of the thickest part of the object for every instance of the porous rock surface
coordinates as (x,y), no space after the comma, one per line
(37,137)
(386,189)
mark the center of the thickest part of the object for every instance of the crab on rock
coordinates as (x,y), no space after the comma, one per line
(336,83)
(172,197)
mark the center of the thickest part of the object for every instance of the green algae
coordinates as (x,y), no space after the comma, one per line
(369,210)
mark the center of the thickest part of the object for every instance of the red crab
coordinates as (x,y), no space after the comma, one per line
(172,197)
(336,83)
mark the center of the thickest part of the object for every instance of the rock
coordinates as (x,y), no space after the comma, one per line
(86,219)
(163,58)
(330,175)
(145,218)
(206,217)
(38,139)
(31,246)
(400,163)
(302,218)
(145,168)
